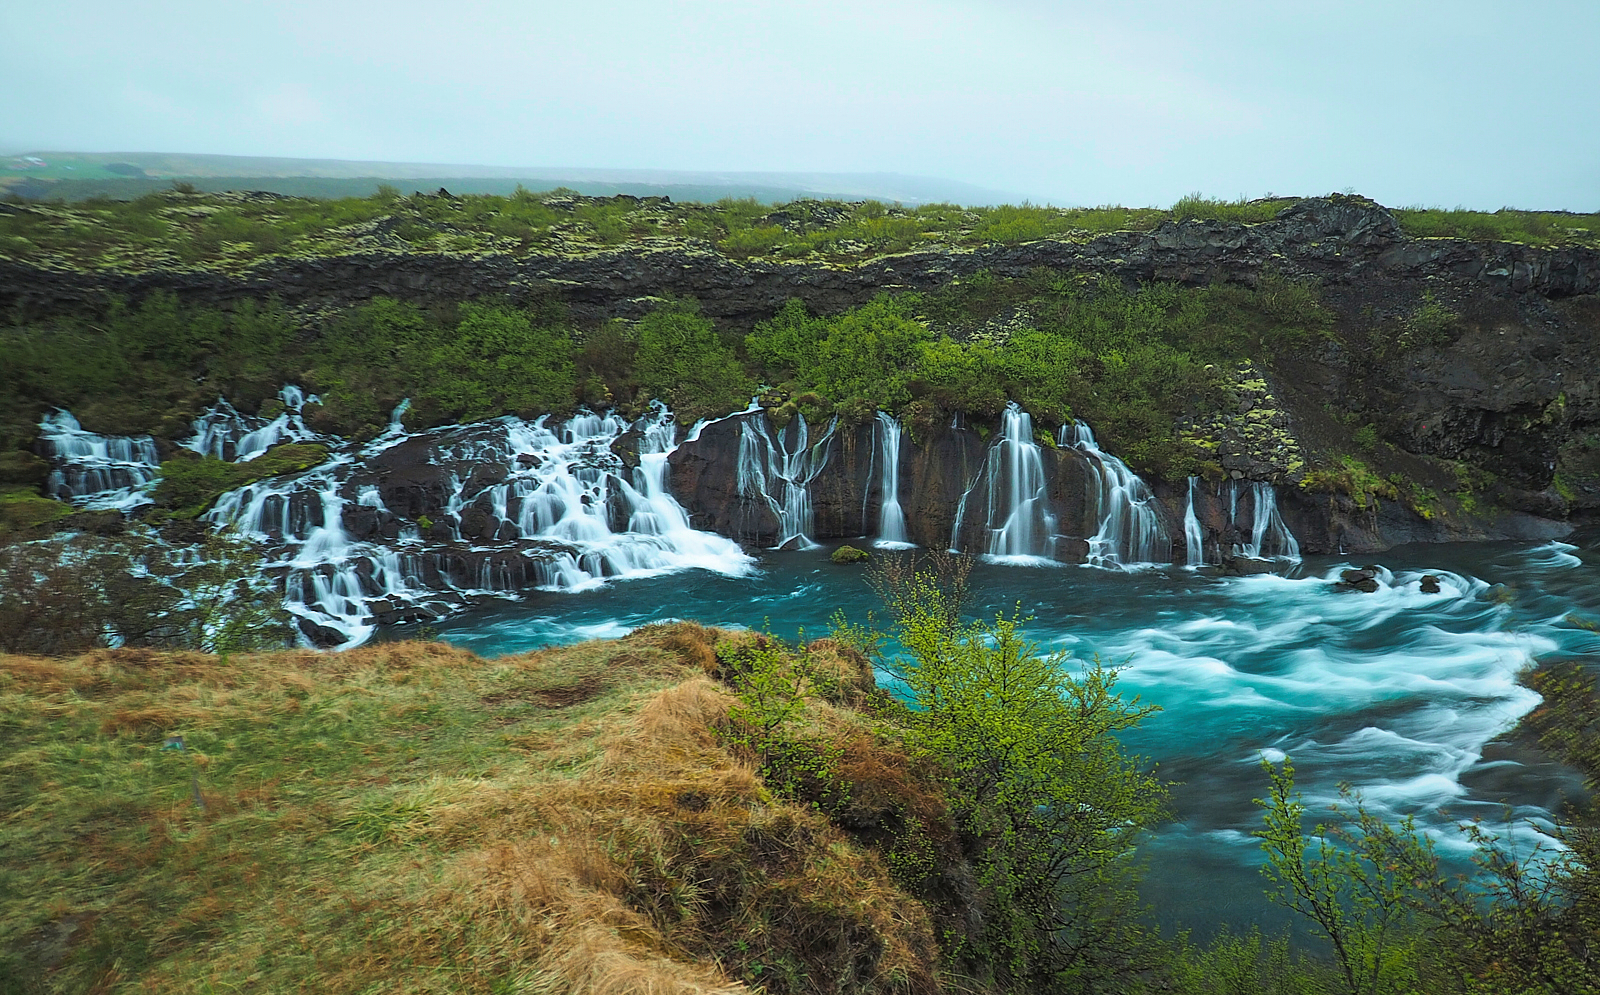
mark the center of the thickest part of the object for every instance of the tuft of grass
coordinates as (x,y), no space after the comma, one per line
(410,817)
(1543,228)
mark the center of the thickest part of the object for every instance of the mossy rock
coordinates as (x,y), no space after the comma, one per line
(25,508)
(849,554)
(190,484)
(18,466)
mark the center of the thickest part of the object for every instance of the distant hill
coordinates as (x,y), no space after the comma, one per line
(120,175)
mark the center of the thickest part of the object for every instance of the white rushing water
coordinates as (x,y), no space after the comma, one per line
(1018,518)
(1130,531)
(225,433)
(1194,539)
(1269,535)
(887,433)
(97,471)
(555,510)
(781,477)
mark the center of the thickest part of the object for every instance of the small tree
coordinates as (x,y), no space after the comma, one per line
(1037,780)
(229,603)
(1351,884)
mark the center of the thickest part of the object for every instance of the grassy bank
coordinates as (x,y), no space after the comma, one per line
(412,818)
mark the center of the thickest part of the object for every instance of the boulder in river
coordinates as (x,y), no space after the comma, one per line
(1364,580)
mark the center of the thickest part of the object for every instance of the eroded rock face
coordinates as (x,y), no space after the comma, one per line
(1337,238)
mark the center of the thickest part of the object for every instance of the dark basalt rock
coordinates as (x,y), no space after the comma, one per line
(1248,566)
(1364,580)
(1430,584)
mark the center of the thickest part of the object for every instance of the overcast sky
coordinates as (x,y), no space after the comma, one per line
(1450,103)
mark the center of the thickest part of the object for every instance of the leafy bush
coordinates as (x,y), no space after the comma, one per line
(1430,324)
(684,362)
(68,595)
(1035,773)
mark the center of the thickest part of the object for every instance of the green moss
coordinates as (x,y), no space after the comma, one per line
(191,484)
(1353,478)
(24,508)
(849,554)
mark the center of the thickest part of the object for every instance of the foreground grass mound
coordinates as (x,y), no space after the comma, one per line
(409,817)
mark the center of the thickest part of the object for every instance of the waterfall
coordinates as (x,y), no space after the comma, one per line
(225,433)
(1268,531)
(1017,511)
(1193,537)
(1130,529)
(551,505)
(781,478)
(886,453)
(1015,490)
(97,471)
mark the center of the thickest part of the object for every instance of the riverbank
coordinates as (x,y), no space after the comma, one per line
(415,817)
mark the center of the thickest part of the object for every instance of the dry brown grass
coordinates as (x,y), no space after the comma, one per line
(411,818)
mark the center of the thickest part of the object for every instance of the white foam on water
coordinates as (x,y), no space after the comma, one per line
(98,472)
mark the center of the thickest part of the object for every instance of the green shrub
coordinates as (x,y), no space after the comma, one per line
(684,362)
(1431,324)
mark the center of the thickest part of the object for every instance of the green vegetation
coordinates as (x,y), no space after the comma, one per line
(683,361)
(23,508)
(152,368)
(849,554)
(1132,360)
(232,231)
(1546,228)
(1353,478)
(1032,768)
(1525,923)
(191,483)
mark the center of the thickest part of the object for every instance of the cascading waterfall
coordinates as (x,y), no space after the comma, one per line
(770,472)
(1194,540)
(550,507)
(1268,531)
(1020,525)
(886,454)
(97,471)
(1130,529)
(225,433)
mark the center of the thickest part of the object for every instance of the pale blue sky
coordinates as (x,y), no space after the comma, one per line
(1453,103)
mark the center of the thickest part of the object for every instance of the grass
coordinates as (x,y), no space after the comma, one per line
(231,231)
(1543,228)
(408,817)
